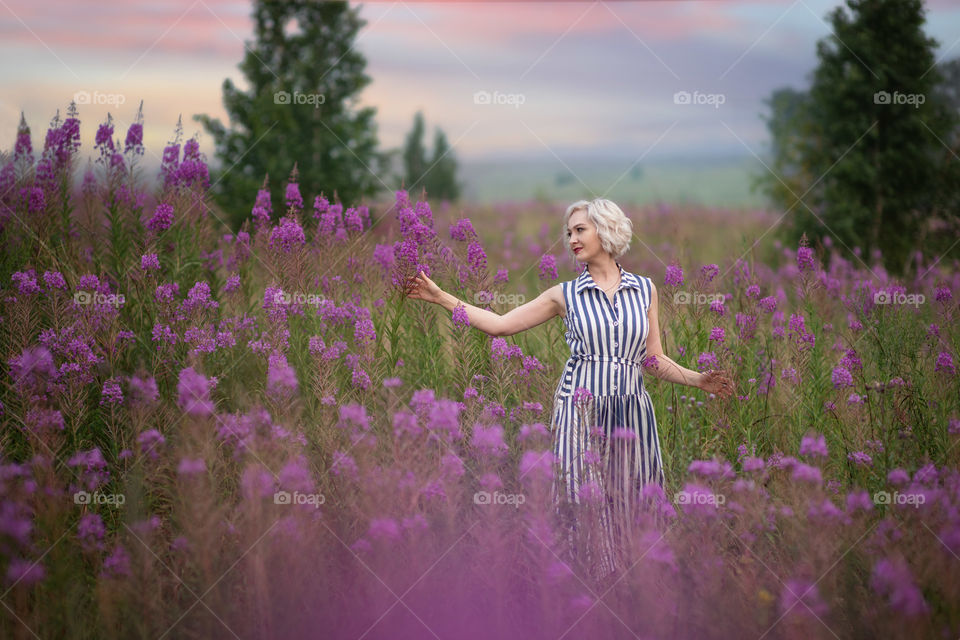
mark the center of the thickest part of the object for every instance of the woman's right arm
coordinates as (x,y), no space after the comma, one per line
(537,311)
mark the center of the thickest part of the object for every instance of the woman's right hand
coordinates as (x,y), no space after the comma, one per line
(423,288)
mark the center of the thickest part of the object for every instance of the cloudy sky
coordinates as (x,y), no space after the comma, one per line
(563,78)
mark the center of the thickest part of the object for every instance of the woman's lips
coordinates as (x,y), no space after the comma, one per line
(578,249)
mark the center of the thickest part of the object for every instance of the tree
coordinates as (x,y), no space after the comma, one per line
(414,154)
(305,77)
(441,180)
(863,147)
(438,175)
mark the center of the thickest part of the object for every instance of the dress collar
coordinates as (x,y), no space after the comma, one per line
(627,279)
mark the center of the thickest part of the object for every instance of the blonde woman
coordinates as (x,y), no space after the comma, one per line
(604,428)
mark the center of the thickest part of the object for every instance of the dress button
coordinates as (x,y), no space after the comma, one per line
(616,324)
(614,344)
(614,387)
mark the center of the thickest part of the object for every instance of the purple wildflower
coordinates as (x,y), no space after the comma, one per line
(841,377)
(384,529)
(807,473)
(24,572)
(814,445)
(281,378)
(707,360)
(193,391)
(54,280)
(860,458)
(462,231)
(892,578)
(232,283)
(149,261)
(293,198)
(111,393)
(805,258)
(460,317)
(162,218)
(476,257)
(489,439)
(288,235)
(674,276)
(26,282)
(945,363)
(116,564)
(548,267)
(90,532)
(191,466)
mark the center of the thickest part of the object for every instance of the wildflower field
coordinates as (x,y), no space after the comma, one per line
(210,434)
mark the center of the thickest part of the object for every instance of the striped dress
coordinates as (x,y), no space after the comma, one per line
(605,441)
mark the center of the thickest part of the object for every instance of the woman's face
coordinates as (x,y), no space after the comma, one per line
(582,237)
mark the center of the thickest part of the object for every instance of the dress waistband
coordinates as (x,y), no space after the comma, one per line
(596,357)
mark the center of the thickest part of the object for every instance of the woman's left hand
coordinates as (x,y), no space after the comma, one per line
(717,382)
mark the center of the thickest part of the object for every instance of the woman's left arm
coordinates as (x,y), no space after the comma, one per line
(660,365)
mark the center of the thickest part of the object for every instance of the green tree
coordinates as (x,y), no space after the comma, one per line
(441,179)
(438,175)
(304,78)
(864,147)
(414,155)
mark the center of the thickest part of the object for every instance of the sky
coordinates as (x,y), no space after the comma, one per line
(534,80)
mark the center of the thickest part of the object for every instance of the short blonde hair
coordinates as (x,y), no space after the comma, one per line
(614,228)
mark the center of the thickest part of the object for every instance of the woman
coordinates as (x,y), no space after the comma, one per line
(604,428)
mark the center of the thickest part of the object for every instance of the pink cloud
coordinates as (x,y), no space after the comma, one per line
(497,24)
(218,27)
(204,27)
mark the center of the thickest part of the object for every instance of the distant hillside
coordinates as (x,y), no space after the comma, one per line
(714,182)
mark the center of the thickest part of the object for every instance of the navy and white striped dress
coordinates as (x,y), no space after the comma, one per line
(609,436)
